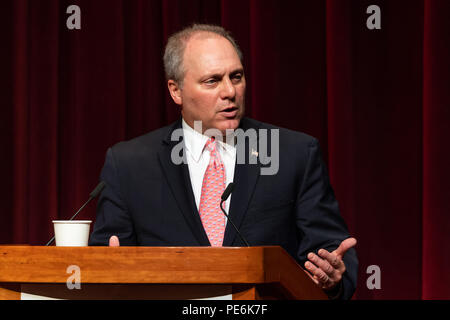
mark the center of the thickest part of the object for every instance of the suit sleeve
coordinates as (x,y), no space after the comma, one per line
(113,216)
(318,219)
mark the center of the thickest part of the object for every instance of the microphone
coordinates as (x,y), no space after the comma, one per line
(224,197)
(92,195)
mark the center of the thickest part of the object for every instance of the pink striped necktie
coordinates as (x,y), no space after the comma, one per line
(212,188)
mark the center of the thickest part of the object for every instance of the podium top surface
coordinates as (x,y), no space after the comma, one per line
(157,265)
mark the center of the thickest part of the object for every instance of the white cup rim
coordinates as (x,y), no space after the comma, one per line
(72,221)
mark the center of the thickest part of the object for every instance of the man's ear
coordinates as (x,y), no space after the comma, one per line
(175,92)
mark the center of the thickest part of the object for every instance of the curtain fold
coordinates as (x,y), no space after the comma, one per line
(377,100)
(19,207)
(436,156)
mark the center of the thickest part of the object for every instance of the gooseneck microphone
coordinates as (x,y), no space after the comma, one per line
(224,197)
(92,195)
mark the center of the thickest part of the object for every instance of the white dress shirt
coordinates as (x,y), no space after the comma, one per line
(198,159)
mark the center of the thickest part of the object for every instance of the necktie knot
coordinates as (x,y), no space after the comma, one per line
(211,145)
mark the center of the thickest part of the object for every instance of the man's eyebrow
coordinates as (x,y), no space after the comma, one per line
(215,75)
(218,75)
(239,70)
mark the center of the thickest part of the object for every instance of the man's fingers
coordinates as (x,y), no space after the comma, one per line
(318,273)
(332,259)
(309,274)
(114,241)
(344,246)
(324,265)
(327,268)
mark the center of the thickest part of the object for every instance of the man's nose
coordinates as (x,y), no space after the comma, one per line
(228,90)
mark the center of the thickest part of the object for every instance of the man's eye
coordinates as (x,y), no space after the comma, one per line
(237,77)
(211,81)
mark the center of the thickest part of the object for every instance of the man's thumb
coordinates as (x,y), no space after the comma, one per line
(344,246)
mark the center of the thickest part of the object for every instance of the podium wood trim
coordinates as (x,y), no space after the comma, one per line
(255,272)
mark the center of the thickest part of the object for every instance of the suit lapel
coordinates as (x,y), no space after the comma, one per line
(245,178)
(180,183)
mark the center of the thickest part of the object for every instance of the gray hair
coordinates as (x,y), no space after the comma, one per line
(173,54)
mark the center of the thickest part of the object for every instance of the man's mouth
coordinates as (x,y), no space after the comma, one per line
(230,112)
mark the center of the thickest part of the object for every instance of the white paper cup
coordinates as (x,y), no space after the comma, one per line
(71,233)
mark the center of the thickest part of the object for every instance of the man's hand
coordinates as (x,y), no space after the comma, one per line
(327,269)
(114,241)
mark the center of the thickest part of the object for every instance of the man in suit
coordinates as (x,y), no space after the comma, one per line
(151,199)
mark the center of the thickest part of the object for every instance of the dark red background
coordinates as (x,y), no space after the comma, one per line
(378,101)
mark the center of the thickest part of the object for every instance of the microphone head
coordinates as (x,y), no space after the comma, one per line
(97,189)
(227,192)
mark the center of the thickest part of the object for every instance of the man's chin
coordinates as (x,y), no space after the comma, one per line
(222,125)
(229,124)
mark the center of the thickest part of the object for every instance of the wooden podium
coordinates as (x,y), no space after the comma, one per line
(172,273)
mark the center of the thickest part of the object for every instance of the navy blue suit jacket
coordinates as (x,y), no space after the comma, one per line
(148,200)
